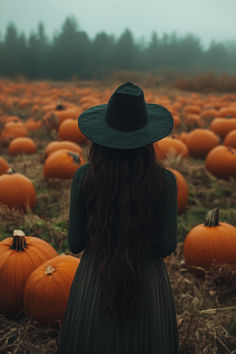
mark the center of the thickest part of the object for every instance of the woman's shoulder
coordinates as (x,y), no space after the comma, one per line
(170,178)
(81,172)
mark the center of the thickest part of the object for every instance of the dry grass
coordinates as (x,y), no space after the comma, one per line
(205,306)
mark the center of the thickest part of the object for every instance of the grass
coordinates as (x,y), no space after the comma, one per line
(205,306)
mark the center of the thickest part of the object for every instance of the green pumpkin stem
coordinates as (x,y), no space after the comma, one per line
(212,218)
(19,242)
(76,157)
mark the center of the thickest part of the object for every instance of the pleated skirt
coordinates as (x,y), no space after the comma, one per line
(85,330)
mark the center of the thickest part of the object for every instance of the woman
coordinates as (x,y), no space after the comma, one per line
(123,215)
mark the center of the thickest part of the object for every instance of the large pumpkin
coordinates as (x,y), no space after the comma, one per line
(62,164)
(211,242)
(17,191)
(47,290)
(19,256)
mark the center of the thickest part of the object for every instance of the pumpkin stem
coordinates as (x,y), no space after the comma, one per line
(10,171)
(76,157)
(212,218)
(19,243)
(59,106)
(49,270)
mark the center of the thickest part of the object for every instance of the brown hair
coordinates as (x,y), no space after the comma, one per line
(124,196)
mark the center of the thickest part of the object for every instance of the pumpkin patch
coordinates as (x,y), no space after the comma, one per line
(35,196)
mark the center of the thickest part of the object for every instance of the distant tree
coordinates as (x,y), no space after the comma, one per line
(216,57)
(102,48)
(13,52)
(125,52)
(70,52)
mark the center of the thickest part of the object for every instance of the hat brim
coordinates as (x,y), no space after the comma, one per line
(93,125)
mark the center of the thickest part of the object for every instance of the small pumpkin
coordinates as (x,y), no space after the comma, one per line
(62,164)
(3,166)
(222,126)
(47,290)
(201,141)
(22,145)
(230,139)
(61,145)
(69,130)
(19,256)
(17,191)
(170,145)
(221,161)
(211,242)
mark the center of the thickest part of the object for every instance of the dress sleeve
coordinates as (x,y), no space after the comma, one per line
(168,237)
(77,215)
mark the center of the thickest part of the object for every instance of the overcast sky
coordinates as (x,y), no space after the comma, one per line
(208,19)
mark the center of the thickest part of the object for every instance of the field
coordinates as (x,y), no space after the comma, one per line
(206,311)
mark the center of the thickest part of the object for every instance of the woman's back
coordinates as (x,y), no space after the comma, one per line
(123,215)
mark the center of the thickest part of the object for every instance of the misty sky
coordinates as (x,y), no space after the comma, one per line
(208,19)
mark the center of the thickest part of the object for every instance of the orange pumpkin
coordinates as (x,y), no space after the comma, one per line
(182,190)
(19,256)
(69,130)
(201,141)
(222,126)
(47,290)
(62,164)
(221,161)
(61,145)
(211,242)
(3,166)
(22,145)
(17,191)
(168,146)
(230,139)
(13,130)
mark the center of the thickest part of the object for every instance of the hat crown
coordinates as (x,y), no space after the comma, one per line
(126,110)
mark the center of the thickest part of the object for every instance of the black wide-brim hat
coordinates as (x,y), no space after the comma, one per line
(126,121)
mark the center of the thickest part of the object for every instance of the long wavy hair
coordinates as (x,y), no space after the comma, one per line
(123,193)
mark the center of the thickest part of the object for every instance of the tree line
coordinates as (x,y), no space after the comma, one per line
(72,53)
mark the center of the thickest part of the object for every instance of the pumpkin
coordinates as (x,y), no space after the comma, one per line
(230,139)
(168,146)
(19,256)
(33,124)
(212,242)
(47,290)
(3,166)
(222,126)
(201,141)
(62,164)
(182,190)
(22,145)
(13,130)
(17,191)
(227,111)
(221,161)
(69,130)
(61,145)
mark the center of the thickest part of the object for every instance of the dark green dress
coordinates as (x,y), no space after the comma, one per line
(85,330)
